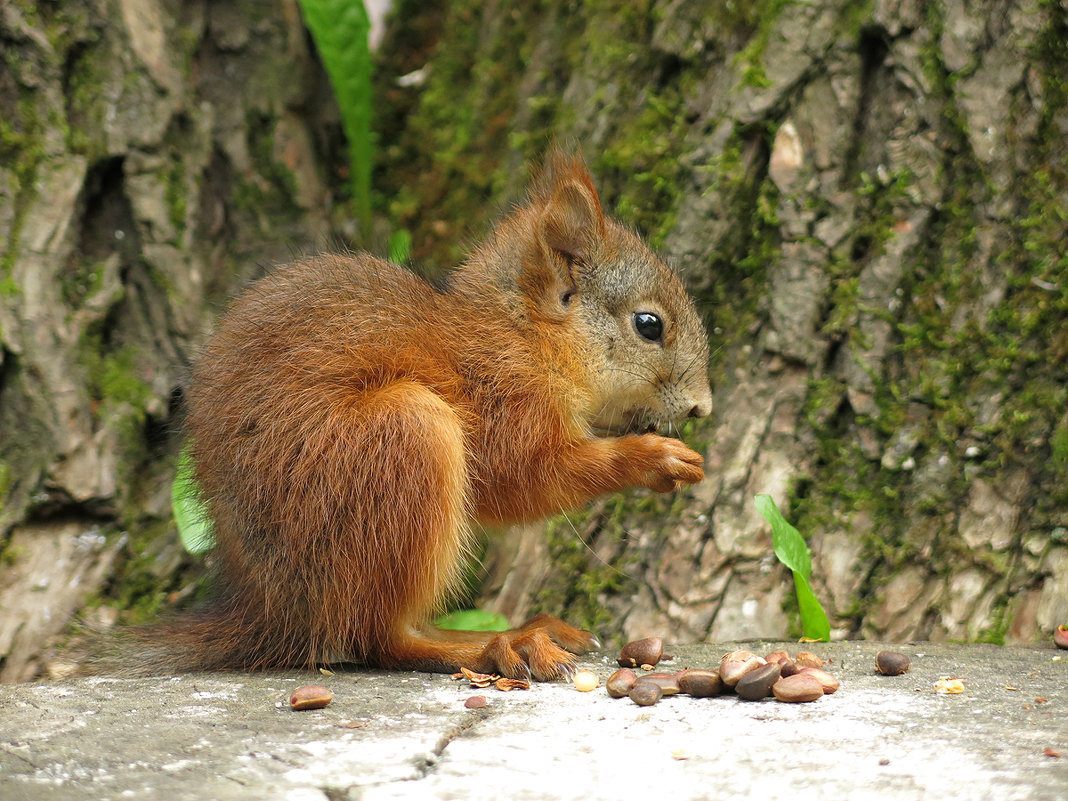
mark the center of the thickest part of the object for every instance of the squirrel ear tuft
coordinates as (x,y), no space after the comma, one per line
(571,221)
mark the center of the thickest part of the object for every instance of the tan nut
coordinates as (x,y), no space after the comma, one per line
(827,681)
(798,689)
(311,696)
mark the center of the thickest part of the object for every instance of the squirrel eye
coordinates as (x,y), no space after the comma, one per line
(648,325)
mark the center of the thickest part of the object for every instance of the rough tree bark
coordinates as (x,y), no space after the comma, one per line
(153,154)
(868,197)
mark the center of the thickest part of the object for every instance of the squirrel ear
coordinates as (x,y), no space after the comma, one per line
(571,222)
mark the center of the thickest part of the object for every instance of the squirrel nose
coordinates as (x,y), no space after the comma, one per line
(702,401)
(701,409)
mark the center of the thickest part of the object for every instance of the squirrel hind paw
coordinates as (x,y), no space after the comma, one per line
(530,655)
(546,659)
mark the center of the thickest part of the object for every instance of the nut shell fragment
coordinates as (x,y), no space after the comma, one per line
(505,684)
(479,680)
(476,702)
(949,686)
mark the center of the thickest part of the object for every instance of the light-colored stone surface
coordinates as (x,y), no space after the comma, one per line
(408,736)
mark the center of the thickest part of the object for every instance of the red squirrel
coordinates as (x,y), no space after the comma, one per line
(349,421)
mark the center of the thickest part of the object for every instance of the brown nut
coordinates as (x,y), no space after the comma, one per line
(620,682)
(891,663)
(311,696)
(645,693)
(826,680)
(736,664)
(476,702)
(789,668)
(779,656)
(806,659)
(700,683)
(1060,636)
(668,682)
(641,652)
(797,689)
(756,684)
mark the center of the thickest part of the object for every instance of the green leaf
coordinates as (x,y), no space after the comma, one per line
(789,545)
(472,620)
(792,551)
(190,512)
(814,622)
(340,28)
(400,246)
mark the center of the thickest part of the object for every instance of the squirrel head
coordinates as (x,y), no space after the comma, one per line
(619,312)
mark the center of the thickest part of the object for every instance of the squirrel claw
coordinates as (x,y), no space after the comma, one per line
(567,671)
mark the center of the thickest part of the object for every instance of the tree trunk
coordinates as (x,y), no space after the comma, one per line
(153,154)
(871,201)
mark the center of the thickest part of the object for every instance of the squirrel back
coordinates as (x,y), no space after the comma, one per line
(349,420)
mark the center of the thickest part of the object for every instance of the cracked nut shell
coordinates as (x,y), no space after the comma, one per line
(736,664)
(779,656)
(806,659)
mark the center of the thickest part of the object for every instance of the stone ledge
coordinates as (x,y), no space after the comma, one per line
(408,735)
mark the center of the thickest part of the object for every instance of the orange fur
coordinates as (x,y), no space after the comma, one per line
(349,420)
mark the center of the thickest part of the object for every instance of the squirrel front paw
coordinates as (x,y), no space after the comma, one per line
(670,463)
